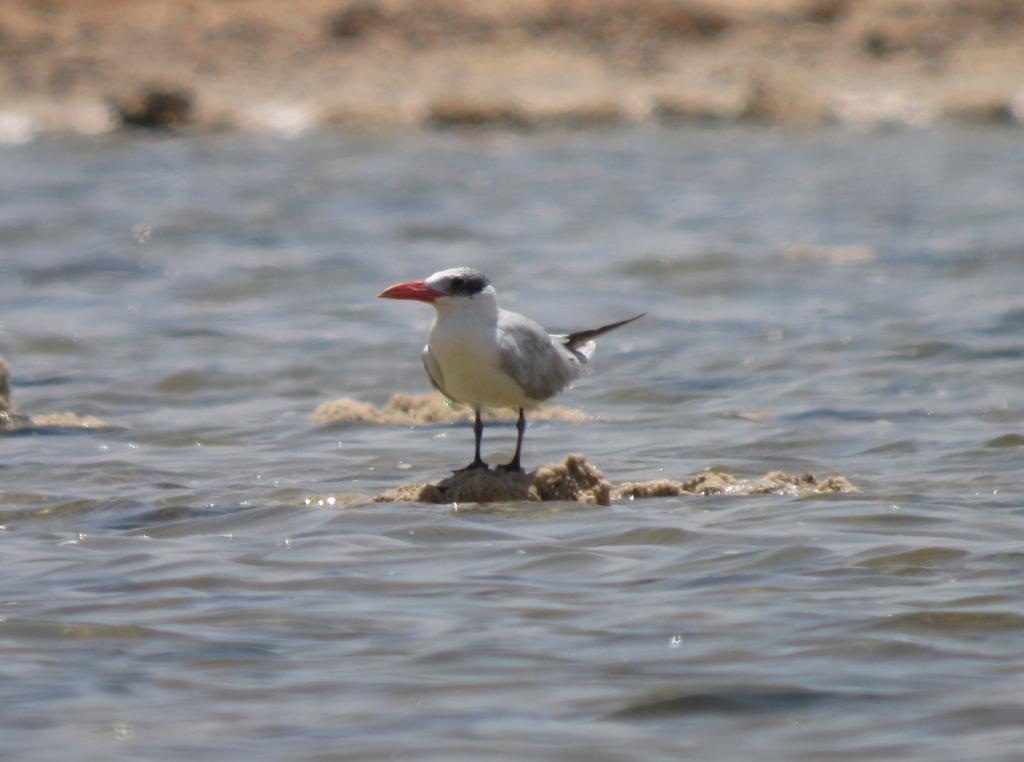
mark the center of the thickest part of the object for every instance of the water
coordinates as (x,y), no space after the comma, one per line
(181,584)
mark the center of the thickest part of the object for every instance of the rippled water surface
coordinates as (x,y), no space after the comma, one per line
(209,578)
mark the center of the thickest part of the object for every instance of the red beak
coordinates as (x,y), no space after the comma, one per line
(412,289)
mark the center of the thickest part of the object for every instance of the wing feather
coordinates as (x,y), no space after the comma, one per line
(529,355)
(573,340)
(434,373)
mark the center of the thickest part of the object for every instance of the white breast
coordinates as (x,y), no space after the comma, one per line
(468,355)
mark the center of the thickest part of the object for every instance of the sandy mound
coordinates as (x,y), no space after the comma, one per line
(576,479)
(11,419)
(841,254)
(427,408)
(68,420)
(714,483)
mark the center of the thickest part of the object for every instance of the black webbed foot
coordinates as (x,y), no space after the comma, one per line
(473,467)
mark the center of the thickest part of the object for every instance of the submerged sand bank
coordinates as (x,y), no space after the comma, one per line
(576,479)
(95,65)
(11,419)
(428,408)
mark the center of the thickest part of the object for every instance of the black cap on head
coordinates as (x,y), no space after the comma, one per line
(462,281)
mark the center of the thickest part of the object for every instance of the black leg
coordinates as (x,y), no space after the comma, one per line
(478,434)
(513,465)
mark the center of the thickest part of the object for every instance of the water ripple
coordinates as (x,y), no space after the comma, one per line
(209,577)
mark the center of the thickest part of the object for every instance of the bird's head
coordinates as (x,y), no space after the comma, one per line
(444,287)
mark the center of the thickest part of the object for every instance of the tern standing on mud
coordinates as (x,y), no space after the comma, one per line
(483,356)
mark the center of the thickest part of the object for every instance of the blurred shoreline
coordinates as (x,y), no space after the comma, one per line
(93,66)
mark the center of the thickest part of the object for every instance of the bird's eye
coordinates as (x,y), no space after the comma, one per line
(457,283)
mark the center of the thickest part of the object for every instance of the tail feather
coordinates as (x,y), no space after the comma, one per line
(574,340)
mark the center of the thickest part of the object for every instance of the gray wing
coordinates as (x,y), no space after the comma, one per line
(434,372)
(530,356)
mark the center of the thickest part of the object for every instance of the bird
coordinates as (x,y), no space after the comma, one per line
(483,356)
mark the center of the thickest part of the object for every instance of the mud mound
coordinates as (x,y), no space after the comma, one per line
(5,386)
(10,418)
(575,479)
(427,408)
(578,480)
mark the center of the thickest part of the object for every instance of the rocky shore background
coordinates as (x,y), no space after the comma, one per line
(91,66)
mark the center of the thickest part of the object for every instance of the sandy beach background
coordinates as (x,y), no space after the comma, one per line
(92,66)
